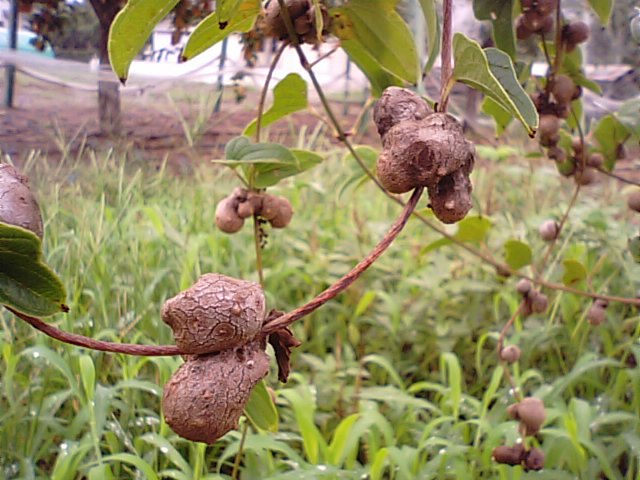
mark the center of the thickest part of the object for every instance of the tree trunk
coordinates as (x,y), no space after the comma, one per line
(108,89)
(108,96)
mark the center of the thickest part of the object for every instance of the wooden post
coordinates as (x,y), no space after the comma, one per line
(10,71)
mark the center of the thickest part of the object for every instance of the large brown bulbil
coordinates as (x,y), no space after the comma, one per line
(302,14)
(18,205)
(216,313)
(242,203)
(206,396)
(423,149)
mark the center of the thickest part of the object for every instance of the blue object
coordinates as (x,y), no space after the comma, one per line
(24,42)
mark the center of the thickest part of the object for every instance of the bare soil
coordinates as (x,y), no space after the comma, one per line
(57,120)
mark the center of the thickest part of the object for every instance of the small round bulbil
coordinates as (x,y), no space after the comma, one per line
(509,455)
(633,201)
(531,414)
(524,286)
(214,314)
(206,396)
(563,88)
(423,149)
(597,314)
(549,230)
(510,354)
(534,460)
(18,205)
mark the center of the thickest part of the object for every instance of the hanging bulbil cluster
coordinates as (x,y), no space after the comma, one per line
(303,18)
(232,211)
(534,301)
(19,206)
(531,414)
(217,322)
(424,149)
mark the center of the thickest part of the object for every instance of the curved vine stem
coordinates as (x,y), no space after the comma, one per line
(344,282)
(487,258)
(265,89)
(279,323)
(446,71)
(93,344)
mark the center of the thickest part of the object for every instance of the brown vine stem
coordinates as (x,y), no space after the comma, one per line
(265,88)
(465,246)
(344,282)
(561,225)
(446,70)
(617,177)
(503,334)
(559,44)
(86,342)
(279,323)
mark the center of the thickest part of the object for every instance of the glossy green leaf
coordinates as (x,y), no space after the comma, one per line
(473,228)
(610,133)
(574,272)
(381,32)
(517,254)
(265,164)
(261,410)
(26,283)
(501,117)
(130,30)
(603,9)
(101,472)
(289,95)
(209,32)
(492,73)
(430,12)
(500,13)
(88,375)
(225,11)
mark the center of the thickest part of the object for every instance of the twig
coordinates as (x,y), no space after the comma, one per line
(446,70)
(265,88)
(86,342)
(344,282)
(503,334)
(323,56)
(561,225)
(617,177)
(559,43)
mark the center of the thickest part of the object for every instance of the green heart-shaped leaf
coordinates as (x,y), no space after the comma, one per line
(517,254)
(289,95)
(491,71)
(26,283)
(209,31)
(130,30)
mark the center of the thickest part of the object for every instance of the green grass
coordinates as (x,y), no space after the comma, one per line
(396,379)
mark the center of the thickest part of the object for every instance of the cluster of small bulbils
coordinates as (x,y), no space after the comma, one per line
(232,211)
(531,415)
(553,102)
(530,410)
(303,18)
